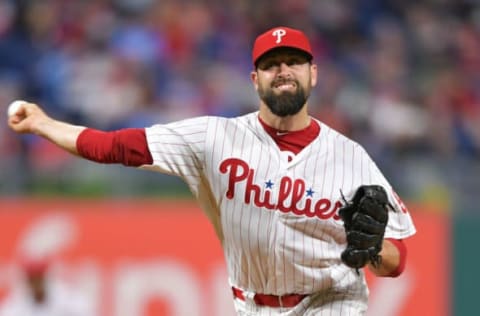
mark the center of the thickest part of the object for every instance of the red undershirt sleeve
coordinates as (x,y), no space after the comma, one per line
(126,146)
(402,249)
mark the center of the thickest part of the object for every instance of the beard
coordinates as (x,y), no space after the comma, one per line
(285,103)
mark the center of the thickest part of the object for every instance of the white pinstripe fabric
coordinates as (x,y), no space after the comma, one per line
(269,249)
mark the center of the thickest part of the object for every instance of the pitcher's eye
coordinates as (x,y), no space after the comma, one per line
(269,64)
(292,62)
(296,61)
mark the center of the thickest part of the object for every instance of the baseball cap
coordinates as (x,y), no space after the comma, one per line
(34,266)
(280,37)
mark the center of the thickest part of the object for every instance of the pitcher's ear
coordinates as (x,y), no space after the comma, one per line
(254,78)
(314,74)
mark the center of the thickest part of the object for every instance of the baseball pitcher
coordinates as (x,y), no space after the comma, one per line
(300,209)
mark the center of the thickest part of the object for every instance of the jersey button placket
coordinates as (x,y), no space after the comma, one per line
(283,172)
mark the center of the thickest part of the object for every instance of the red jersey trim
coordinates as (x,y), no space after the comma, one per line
(293,141)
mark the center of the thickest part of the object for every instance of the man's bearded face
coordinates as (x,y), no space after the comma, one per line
(284,102)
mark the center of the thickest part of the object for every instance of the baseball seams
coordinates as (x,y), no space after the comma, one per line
(278,219)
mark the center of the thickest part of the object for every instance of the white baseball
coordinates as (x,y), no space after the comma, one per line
(14,107)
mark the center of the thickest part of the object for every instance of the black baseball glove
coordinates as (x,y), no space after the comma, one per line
(365,217)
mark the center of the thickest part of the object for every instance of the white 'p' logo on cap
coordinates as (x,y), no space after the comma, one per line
(279,33)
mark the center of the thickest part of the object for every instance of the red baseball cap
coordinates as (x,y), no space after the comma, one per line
(280,37)
(34,266)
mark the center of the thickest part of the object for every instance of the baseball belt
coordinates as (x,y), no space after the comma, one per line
(287,300)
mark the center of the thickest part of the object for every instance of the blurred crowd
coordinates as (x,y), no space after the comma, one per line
(402,77)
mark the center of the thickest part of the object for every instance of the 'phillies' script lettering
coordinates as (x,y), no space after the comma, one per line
(290,192)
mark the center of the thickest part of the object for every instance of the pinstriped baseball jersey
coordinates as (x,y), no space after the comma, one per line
(277,219)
